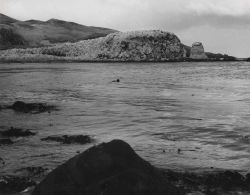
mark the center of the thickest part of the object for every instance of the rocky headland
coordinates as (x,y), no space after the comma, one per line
(152,45)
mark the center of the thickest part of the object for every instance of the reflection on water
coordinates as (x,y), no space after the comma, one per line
(200,108)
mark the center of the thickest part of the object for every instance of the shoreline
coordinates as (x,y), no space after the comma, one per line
(111,61)
(215,181)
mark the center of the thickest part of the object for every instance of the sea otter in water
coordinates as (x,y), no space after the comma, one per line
(116,81)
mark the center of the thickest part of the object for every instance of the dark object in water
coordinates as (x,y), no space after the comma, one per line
(14,184)
(5,141)
(69,139)
(20,106)
(2,162)
(116,81)
(109,168)
(17,132)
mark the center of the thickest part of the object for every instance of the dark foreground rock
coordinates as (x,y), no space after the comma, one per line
(11,184)
(110,168)
(20,106)
(5,141)
(114,168)
(220,182)
(69,139)
(17,132)
(32,172)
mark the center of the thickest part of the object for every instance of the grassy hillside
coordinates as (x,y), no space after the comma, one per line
(35,33)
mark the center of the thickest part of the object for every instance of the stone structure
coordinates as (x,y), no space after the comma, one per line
(197,51)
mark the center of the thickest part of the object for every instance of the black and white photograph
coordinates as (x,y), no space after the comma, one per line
(125,97)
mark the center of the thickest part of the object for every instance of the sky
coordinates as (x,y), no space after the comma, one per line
(223,26)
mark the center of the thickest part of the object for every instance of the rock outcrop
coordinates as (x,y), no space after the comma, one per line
(69,139)
(20,106)
(152,45)
(197,51)
(5,141)
(17,132)
(110,168)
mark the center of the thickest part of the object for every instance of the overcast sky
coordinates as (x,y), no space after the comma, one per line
(222,25)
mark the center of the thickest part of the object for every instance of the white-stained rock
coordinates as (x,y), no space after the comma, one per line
(154,45)
(197,51)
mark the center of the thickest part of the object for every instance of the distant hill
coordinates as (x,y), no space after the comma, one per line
(35,33)
(6,20)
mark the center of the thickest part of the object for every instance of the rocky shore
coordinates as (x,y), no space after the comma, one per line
(115,168)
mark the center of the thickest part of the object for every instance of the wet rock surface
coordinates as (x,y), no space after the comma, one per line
(11,184)
(5,141)
(110,168)
(32,171)
(222,182)
(23,107)
(17,132)
(69,139)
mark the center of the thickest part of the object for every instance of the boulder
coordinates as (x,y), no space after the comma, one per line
(16,132)
(20,106)
(5,141)
(69,139)
(197,51)
(109,168)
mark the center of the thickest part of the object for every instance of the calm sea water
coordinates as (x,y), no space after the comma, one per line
(203,109)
